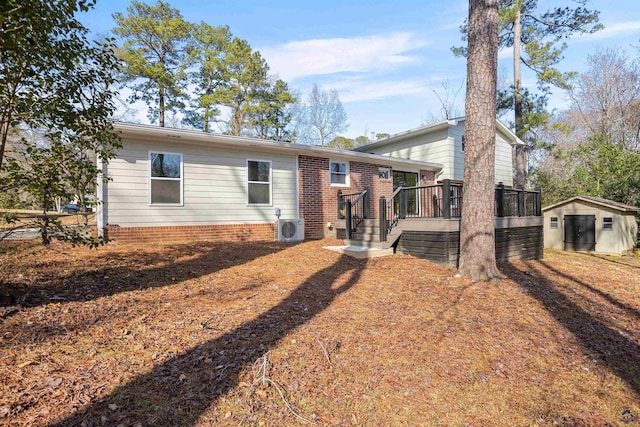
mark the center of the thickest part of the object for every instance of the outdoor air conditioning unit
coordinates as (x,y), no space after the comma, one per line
(290,230)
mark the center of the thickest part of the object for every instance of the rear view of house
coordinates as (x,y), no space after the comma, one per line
(174,184)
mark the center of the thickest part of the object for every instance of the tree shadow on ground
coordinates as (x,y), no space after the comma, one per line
(587,286)
(123,272)
(612,260)
(609,347)
(178,391)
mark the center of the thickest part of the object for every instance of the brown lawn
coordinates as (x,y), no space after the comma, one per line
(276,334)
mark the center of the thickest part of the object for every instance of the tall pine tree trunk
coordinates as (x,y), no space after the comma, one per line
(477,229)
(517,99)
(161,106)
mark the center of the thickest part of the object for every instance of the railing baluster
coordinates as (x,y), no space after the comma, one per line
(348,220)
(382,207)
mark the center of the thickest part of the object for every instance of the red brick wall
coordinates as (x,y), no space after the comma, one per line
(427,177)
(227,233)
(319,200)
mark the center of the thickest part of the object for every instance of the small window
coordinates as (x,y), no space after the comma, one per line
(339,173)
(165,176)
(554,222)
(607,223)
(456,197)
(259,182)
(384,174)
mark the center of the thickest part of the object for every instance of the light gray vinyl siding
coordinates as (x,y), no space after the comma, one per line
(455,133)
(504,161)
(214,187)
(435,148)
(445,146)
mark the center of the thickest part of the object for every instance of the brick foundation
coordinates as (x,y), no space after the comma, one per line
(319,200)
(177,234)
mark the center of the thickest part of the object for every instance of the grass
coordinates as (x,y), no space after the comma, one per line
(253,334)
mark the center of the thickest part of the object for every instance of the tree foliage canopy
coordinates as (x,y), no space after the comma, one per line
(593,148)
(537,39)
(54,83)
(154,55)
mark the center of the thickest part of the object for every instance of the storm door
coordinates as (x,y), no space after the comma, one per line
(407,179)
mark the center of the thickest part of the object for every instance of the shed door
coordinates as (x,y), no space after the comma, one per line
(580,232)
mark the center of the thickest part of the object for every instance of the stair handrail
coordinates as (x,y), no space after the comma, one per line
(389,219)
(356,211)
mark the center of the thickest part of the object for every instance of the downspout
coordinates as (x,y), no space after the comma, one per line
(102,196)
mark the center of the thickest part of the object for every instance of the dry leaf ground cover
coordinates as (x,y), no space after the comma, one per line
(273,334)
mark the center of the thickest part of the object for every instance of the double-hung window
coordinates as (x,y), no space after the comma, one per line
(259,182)
(553,222)
(607,223)
(165,178)
(339,172)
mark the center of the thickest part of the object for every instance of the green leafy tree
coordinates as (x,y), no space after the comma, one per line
(342,142)
(210,45)
(594,146)
(54,83)
(538,41)
(271,114)
(243,74)
(154,56)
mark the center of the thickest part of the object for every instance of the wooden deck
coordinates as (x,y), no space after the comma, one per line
(438,239)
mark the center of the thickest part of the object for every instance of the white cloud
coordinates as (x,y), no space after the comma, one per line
(619,29)
(328,56)
(369,90)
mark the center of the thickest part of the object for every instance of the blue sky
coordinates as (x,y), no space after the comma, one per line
(385,58)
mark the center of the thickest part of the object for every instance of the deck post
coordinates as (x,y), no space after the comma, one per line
(446,199)
(538,201)
(521,211)
(500,200)
(340,203)
(403,203)
(366,203)
(348,219)
(383,218)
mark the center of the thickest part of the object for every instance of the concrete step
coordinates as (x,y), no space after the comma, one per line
(364,243)
(360,251)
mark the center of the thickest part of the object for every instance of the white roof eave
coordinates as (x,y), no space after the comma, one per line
(194,137)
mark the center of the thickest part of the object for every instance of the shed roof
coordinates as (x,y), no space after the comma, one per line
(598,201)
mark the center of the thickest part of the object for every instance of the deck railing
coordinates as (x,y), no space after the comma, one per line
(353,208)
(389,215)
(445,201)
(517,202)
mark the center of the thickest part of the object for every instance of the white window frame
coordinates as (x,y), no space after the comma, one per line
(607,225)
(270,183)
(384,171)
(347,181)
(554,224)
(181,179)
